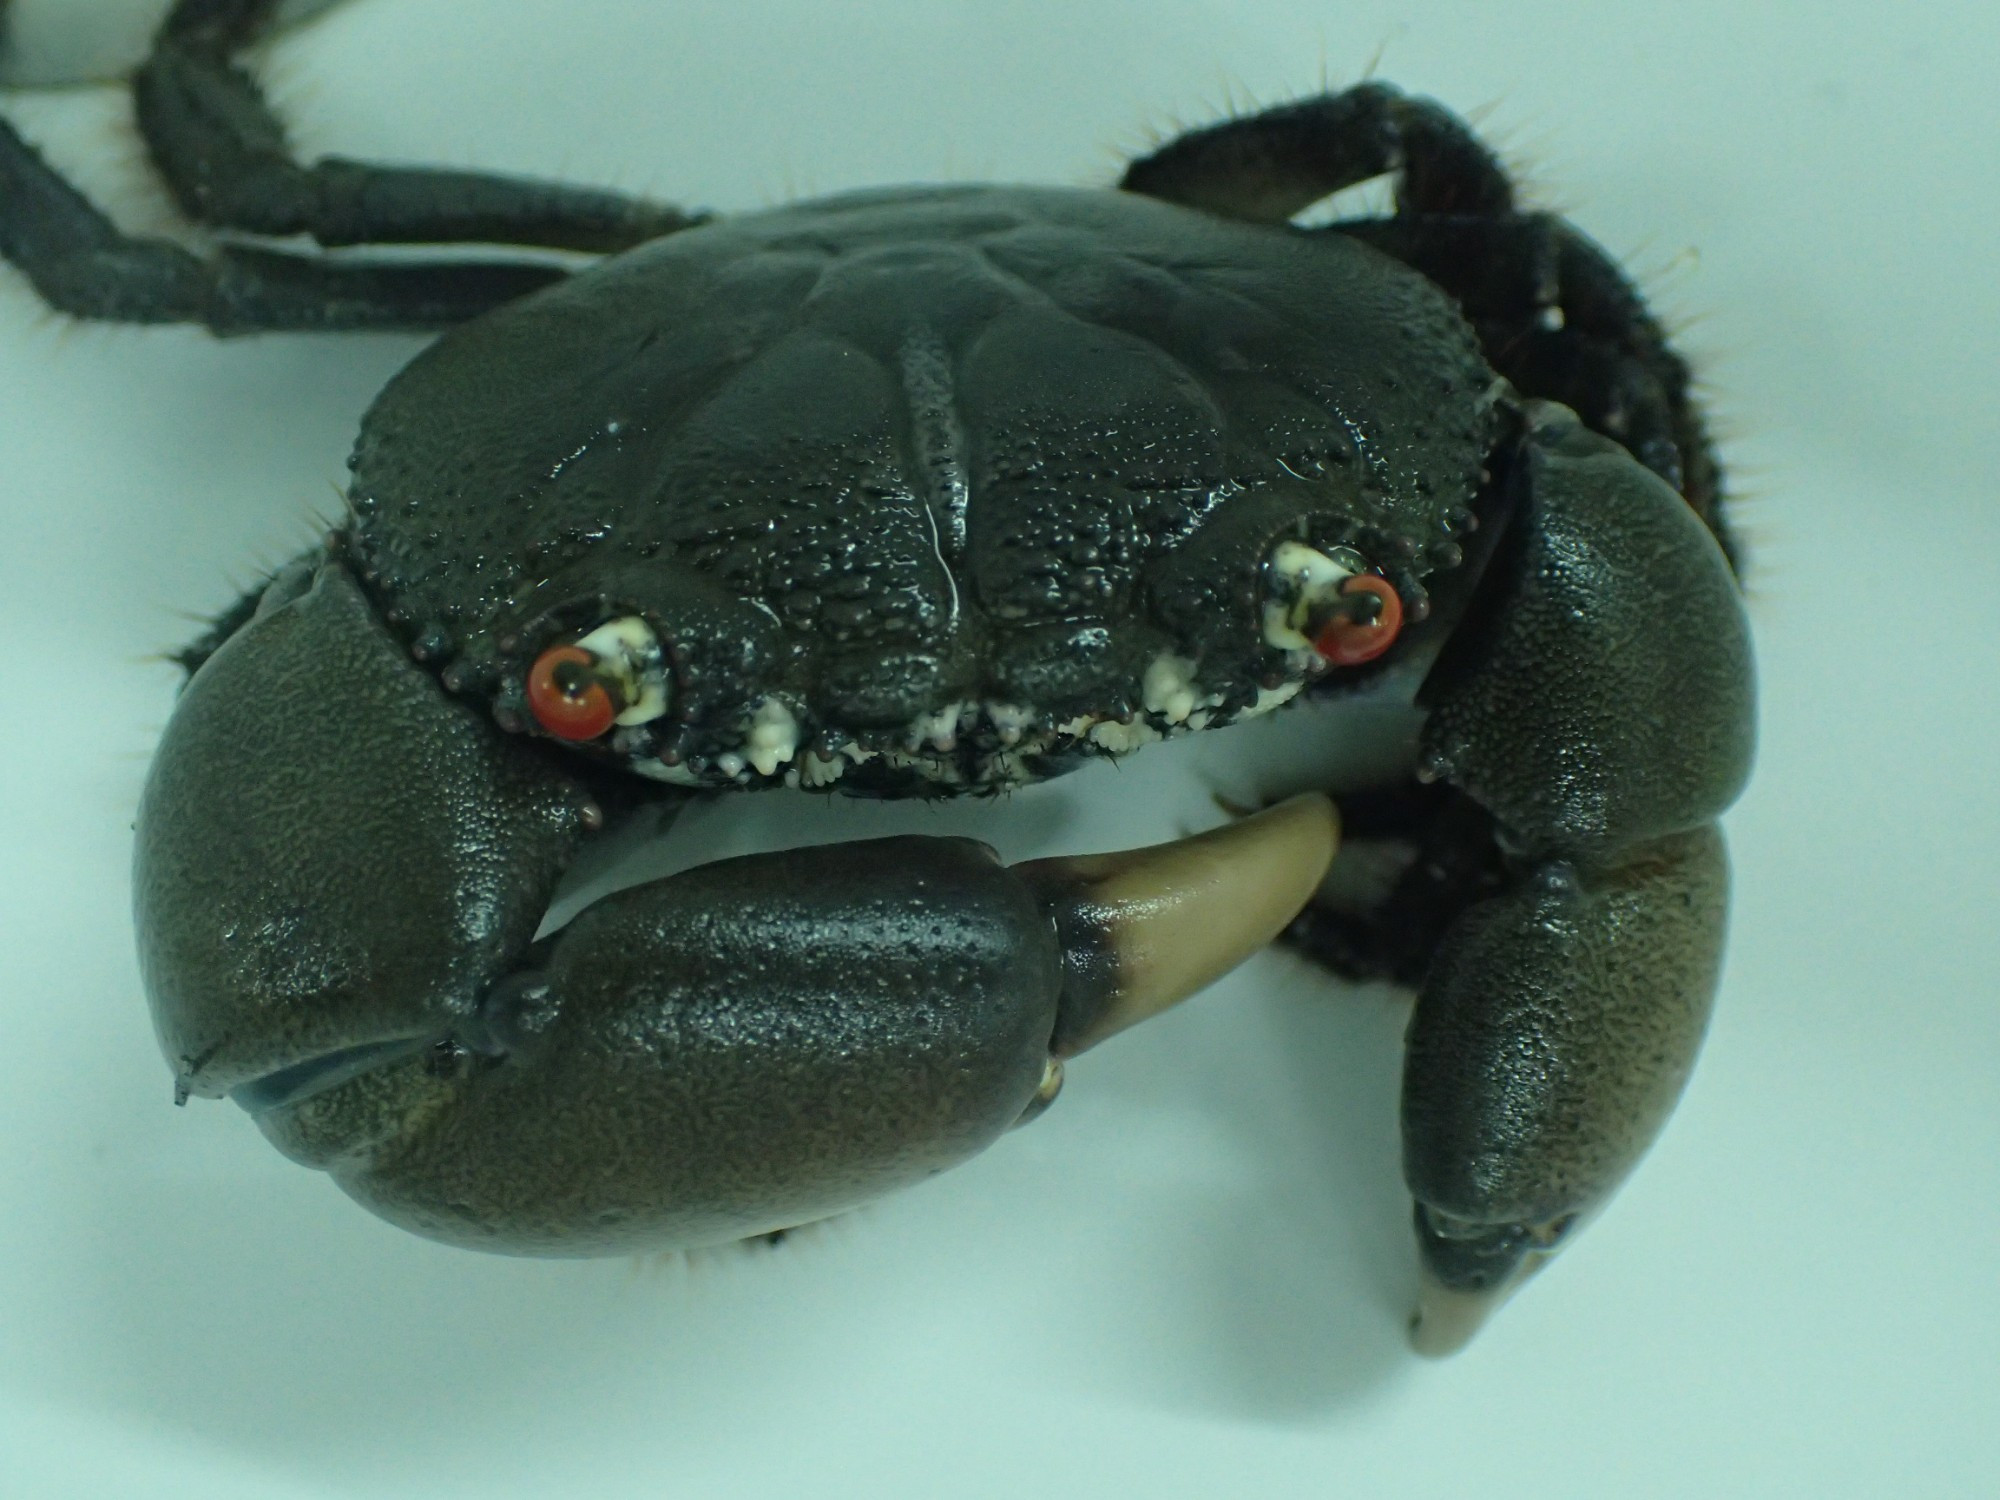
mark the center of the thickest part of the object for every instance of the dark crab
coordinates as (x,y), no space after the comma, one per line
(924,492)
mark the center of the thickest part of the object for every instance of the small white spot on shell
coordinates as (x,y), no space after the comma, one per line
(1010,721)
(774,737)
(815,772)
(1169,687)
(938,729)
(1270,698)
(1122,739)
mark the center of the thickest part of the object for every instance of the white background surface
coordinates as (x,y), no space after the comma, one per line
(1190,1277)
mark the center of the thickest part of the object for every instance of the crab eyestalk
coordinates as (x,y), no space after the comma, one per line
(1330,604)
(615,675)
(1359,623)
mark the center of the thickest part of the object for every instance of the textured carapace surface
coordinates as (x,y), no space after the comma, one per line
(956,464)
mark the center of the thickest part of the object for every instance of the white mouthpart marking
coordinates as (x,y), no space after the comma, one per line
(937,730)
(1122,739)
(1169,688)
(1010,721)
(1270,698)
(774,737)
(814,772)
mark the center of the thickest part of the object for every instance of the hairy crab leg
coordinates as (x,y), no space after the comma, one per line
(1555,314)
(225,157)
(82,264)
(1590,714)
(224,154)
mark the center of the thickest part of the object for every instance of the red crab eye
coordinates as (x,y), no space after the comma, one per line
(565,696)
(1348,643)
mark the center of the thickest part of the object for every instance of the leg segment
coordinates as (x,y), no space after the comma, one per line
(1274,164)
(1557,318)
(1555,315)
(82,265)
(224,155)
(1441,842)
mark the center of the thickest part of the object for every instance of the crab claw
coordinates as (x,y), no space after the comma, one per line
(1146,928)
(340,871)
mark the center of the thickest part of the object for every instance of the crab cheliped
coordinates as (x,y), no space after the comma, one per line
(924,492)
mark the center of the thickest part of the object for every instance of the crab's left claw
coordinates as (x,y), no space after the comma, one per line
(1598,705)
(340,875)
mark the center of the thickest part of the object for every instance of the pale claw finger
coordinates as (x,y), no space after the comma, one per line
(1146,928)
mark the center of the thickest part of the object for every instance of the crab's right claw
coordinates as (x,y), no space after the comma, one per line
(340,874)
(763,1041)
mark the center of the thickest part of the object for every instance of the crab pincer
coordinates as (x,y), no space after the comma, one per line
(343,940)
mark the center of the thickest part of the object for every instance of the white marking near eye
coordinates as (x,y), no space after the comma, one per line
(628,646)
(1306,577)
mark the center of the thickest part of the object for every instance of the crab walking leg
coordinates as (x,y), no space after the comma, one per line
(81,264)
(1598,703)
(340,871)
(1561,321)
(224,154)
(1280,161)
(1555,314)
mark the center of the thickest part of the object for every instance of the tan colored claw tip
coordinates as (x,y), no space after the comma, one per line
(1446,1319)
(1170,920)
